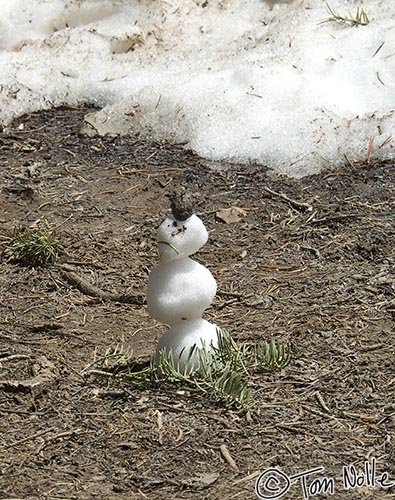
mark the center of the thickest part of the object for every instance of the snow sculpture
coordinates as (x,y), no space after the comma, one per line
(180,289)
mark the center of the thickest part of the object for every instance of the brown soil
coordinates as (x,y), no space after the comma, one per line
(322,279)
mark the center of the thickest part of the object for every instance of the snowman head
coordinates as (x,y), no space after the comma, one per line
(180,238)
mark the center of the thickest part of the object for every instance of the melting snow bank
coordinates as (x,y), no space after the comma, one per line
(237,80)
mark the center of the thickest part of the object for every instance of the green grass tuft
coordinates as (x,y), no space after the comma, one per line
(223,374)
(29,247)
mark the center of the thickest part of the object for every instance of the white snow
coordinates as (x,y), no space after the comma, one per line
(239,80)
(179,290)
(185,341)
(180,238)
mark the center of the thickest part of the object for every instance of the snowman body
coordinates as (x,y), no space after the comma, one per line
(179,290)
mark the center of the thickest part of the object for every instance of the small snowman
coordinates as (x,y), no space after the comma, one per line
(180,289)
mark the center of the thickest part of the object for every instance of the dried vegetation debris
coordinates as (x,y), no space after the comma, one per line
(41,373)
(320,278)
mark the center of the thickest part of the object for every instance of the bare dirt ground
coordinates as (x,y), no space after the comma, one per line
(315,269)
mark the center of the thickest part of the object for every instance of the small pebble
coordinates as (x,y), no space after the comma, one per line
(243,254)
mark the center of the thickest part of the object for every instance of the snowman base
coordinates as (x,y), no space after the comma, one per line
(186,341)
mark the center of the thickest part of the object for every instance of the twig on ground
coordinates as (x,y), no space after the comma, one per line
(335,218)
(55,329)
(321,402)
(159,421)
(296,204)
(101,373)
(93,291)
(15,356)
(279,267)
(228,457)
(27,438)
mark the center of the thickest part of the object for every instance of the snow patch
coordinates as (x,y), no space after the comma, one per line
(240,81)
